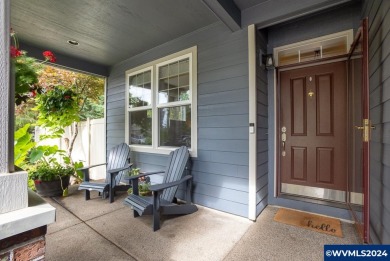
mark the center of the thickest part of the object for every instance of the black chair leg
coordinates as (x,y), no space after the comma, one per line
(156,211)
(111,193)
(156,220)
(87,195)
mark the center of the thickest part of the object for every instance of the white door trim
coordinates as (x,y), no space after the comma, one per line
(252,120)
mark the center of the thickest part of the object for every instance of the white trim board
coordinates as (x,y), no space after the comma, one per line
(252,119)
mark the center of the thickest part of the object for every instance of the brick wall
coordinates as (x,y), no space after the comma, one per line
(29,245)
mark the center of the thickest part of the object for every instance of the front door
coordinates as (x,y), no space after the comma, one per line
(313,131)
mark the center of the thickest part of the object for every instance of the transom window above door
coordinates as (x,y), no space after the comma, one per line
(161,104)
(313,49)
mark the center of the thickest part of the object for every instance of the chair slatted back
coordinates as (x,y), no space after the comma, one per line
(175,170)
(118,157)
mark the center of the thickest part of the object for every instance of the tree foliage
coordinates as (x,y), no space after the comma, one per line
(88,89)
(23,145)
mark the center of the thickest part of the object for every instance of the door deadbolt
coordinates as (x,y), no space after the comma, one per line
(284,138)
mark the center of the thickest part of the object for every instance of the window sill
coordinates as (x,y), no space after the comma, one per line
(37,214)
(160,150)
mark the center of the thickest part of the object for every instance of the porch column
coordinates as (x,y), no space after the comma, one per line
(6,92)
(13,189)
(23,224)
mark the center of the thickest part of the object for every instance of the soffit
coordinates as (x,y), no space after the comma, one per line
(107,31)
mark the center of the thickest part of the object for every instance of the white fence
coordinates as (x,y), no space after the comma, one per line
(89,147)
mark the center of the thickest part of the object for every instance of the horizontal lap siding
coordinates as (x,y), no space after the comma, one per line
(379,70)
(221,169)
(262,128)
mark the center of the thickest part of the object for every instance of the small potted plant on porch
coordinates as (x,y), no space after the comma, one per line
(143,183)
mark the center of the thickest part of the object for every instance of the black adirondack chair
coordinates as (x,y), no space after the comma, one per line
(118,161)
(162,201)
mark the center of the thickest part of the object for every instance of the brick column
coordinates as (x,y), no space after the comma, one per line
(29,245)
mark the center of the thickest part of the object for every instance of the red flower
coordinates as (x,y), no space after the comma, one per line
(15,52)
(49,56)
(33,93)
(66,97)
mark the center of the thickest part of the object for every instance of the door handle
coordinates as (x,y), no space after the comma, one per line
(284,138)
(366,128)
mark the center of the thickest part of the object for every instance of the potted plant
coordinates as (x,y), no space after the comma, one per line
(143,183)
(51,179)
(48,167)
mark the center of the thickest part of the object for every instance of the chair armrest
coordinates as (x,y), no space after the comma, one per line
(163,186)
(111,171)
(85,170)
(143,174)
(92,166)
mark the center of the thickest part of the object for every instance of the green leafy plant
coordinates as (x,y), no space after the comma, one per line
(25,73)
(134,172)
(50,155)
(57,108)
(23,145)
(143,189)
(49,172)
(37,159)
(143,183)
(26,70)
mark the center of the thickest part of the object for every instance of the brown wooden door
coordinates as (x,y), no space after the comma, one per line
(313,103)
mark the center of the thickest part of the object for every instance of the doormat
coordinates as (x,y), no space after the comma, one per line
(326,225)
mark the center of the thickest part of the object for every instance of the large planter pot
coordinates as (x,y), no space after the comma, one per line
(51,188)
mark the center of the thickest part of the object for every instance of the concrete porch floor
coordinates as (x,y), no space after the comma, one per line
(97,230)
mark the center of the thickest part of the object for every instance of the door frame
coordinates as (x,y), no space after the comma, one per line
(277,142)
(362,33)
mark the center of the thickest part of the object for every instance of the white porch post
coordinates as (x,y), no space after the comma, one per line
(6,132)
(13,185)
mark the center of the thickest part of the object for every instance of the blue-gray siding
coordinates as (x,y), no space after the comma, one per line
(221,169)
(262,126)
(379,71)
(336,20)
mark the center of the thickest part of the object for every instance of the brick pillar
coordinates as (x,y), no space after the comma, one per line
(29,245)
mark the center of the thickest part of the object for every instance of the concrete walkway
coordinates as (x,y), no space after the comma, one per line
(97,230)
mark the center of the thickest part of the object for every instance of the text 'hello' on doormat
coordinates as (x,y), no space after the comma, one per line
(327,225)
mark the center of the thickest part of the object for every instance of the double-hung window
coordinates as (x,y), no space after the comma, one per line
(161,104)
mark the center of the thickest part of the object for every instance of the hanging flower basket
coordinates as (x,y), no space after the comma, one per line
(58,106)
(26,70)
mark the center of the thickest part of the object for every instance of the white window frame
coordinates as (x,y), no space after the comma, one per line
(190,53)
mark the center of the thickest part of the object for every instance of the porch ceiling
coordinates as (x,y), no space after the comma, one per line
(109,32)
(244,4)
